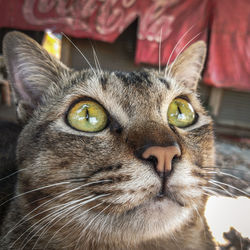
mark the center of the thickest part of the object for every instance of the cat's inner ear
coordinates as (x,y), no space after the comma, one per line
(186,68)
(31,71)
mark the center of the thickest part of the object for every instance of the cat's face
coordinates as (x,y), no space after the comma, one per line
(97,182)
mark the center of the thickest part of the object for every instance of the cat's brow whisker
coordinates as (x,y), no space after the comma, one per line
(160,50)
(173,50)
(169,71)
(79,52)
(97,62)
(228,185)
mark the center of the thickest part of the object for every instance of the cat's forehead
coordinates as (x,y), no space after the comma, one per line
(133,86)
(131,91)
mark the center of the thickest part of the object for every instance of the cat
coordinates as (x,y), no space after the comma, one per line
(107,160)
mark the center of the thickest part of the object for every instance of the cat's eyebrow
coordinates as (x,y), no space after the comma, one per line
(103,80)
(164,81)
(134,78)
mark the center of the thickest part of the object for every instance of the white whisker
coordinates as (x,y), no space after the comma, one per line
(60,213)
(173,50)
(223,173)
(79,52)
(169,71)
(160,51)
(37,189)
(36,225)
(97,63)
(221,187)
(47,202)
(81,214)
(228,185)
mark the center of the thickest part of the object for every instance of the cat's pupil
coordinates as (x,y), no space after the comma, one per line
(87,114)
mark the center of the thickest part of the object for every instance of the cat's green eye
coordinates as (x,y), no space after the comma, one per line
(180,113)
(87,116)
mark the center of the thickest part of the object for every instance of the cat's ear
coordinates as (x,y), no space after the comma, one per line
(187,67)
(31,71)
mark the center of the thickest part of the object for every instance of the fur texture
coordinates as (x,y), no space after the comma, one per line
(81,190)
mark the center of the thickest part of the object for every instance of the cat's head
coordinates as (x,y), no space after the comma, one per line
(112,154)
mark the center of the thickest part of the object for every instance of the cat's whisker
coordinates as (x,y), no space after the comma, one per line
(223,168)
(218,191)
(61,207)
(101,212)
(169,71)
(77,217)
(54,213)
(79,52)
(97,62)
(208,191)
(72,209)
(24,218)
(34,190)
(226,174)
(198,213)
(16,172)
(173,50)
(51,219)
(221,187)
(47,202)
(30,229)
(230,186)
(90,221)
(160,50)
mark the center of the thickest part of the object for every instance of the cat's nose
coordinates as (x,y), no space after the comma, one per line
(162,157)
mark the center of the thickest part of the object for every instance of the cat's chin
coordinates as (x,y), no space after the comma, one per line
(155,218)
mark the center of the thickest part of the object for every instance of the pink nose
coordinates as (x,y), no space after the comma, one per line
(164,156)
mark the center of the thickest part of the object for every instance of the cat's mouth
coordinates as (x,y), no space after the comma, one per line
(166,195)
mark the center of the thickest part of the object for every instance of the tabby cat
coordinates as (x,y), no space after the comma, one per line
(107,160)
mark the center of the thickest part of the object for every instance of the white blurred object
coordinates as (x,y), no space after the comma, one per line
(222,213)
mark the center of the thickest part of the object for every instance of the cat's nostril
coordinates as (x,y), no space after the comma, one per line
(153,160)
